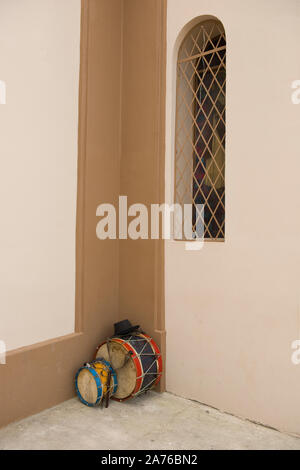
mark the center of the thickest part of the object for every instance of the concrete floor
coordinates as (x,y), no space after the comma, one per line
(152,421)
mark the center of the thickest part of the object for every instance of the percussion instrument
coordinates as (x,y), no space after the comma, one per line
(91,382)
(136,360)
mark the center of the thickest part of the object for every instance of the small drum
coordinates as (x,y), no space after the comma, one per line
(91,382)
(136,360)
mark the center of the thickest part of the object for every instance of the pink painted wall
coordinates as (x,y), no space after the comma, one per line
(232,309)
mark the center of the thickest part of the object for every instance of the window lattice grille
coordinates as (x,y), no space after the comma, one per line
(200,127)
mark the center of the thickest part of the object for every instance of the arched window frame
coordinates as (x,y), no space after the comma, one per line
(200,130)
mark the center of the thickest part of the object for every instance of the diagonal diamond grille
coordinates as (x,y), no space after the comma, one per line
(200,127)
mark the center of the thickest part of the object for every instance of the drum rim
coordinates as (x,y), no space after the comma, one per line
(98,383)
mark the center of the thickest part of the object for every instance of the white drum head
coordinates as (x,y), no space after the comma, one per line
(123,366)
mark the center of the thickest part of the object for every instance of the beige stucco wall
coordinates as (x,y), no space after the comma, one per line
(39,61)
(232,309)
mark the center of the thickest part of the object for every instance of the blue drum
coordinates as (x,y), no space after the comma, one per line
(91,382)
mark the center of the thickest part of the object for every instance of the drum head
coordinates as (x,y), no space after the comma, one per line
(123,366)
(87,386)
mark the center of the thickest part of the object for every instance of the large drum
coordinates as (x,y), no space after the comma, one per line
(136,360)
(91,382)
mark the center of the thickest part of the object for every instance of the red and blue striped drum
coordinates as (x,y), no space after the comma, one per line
(137,361)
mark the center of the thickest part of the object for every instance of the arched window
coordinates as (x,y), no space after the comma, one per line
(200,128)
